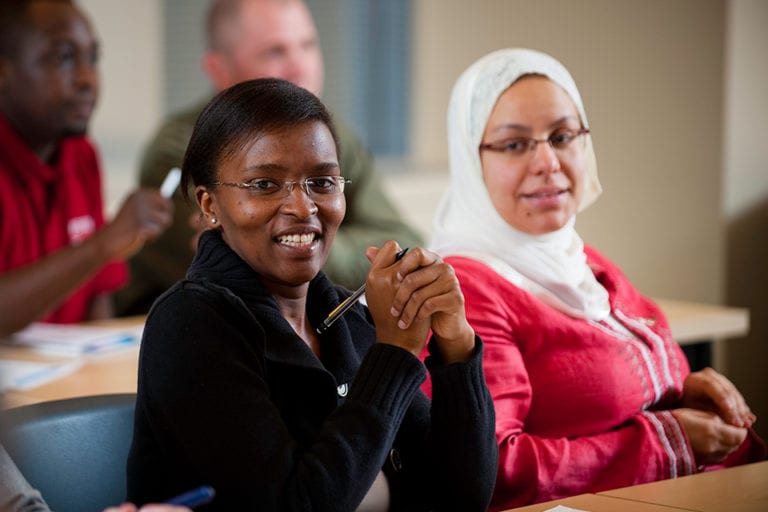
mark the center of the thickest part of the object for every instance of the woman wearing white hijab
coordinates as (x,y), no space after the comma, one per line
(591,391)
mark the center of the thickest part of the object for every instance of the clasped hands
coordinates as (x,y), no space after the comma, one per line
(714,414)
(409,297)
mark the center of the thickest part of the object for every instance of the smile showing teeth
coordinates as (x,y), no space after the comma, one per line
(297,240)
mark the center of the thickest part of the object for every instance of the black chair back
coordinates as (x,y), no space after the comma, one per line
(73,451)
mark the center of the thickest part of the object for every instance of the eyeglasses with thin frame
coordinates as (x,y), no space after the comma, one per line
(316,187)
(559,140)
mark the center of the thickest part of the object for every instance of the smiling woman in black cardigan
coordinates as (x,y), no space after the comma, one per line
(238,391)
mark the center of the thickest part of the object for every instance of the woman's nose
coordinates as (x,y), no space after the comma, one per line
(544,159)
(299,202)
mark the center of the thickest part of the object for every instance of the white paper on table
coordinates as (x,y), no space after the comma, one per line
(19,375)
(562,508)
(71,339)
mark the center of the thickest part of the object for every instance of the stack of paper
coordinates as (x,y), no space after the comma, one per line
(65,339)
(19,375)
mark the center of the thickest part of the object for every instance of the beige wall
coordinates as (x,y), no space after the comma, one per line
(746,196)
(131,87)
(745,180)
(651,77)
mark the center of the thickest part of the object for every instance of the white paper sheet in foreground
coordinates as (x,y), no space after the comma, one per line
(20,375)
(67,339)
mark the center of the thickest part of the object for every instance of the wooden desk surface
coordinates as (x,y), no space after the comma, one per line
(739,489)
(99,375)
(596,503)
(692,322)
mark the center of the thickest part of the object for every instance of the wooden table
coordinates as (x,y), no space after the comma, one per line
(694,322)
(596,503)
(739,489)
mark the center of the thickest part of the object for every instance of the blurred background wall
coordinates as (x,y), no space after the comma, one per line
(745,193)
(674,91)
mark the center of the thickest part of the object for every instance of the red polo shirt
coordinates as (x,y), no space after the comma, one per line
(44,208)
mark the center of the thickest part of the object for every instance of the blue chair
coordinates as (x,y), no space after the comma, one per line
(73,451)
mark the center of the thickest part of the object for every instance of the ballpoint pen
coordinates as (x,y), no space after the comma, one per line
(193,498)
(349,302)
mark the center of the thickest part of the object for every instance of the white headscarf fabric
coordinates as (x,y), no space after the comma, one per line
(551,266)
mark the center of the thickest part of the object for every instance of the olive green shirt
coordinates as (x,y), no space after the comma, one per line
(371,219)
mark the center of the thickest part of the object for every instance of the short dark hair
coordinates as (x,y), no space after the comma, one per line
(241,113)
(14,23)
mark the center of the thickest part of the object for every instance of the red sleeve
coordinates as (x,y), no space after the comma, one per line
(650,446)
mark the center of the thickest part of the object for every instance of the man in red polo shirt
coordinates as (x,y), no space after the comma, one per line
(59,261)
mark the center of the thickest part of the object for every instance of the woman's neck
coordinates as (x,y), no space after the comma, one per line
(294,310)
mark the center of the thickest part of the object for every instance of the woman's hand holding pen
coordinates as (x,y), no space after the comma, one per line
(382,284)
(426,293)
(143,216)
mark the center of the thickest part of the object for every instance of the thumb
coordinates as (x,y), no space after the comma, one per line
(382,256)
(734,435)
(371,253)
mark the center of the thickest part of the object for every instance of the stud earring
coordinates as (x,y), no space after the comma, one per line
(213,220)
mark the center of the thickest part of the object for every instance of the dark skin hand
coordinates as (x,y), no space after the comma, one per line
(144,215)
(29,292)
(409,297)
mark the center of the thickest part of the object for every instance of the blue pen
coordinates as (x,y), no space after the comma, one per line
(194,498)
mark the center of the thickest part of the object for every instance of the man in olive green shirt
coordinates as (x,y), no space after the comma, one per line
(254,39)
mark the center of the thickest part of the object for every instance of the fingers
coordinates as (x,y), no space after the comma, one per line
(125,507)
(711,439)
(163,508)
(731,404)
(425,294)
(143,216)
(425,287)
(155,213)
(371,253)
(710,386)
(384,256)
(414,260)
(381,286)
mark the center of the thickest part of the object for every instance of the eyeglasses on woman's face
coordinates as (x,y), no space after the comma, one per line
(559,140)
(316,187)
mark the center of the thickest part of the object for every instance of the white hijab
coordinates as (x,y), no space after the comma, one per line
(551,266)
